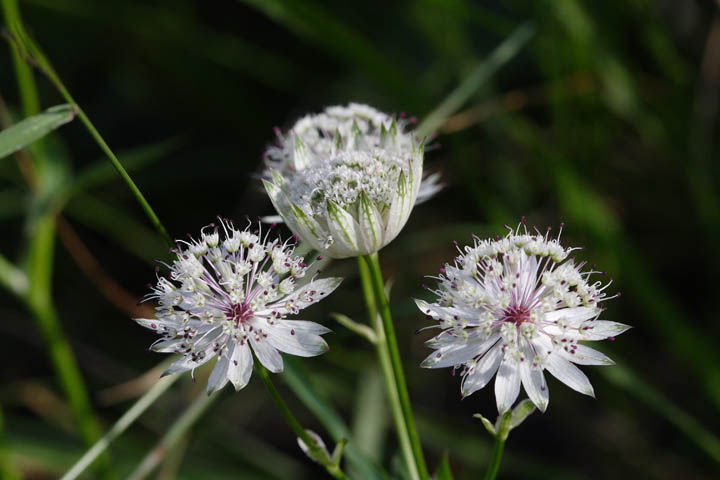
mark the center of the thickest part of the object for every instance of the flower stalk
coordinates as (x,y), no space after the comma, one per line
(389,342)
(331,464)
(499,447)
(383,354)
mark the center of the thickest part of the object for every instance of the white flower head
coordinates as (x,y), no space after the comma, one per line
(230,292)
(345,180)
(514,307)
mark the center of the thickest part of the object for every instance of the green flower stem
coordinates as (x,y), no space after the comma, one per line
(501,435)
(387,371)
(120,426)
(315,451)
(389,330)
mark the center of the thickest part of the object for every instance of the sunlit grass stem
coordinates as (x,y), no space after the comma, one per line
(128,418)
(174,434)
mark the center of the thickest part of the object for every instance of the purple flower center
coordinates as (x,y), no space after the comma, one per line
(239,313)
(516,314)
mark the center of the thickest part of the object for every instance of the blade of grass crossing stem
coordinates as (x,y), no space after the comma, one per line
(331,420)
(175,434)
(391,341)
(34,128)
(383,354)
(30,48)
(128,418)
(502,54)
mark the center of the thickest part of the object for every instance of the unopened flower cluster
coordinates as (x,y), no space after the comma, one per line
(228,293)
(515,307)
(345,180)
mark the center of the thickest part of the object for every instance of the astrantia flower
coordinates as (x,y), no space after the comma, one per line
(345,180)
(229,293)
(518,306)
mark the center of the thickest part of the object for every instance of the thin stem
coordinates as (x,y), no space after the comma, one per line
(387,371)
(315,451)
(26,46)
(174,435)
(391,342)
(502,432)
(496,458)
(120,426)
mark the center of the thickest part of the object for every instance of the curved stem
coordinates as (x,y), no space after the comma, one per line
(387,371)
(316,453)
(391,342)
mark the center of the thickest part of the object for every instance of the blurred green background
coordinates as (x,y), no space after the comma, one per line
(605,120)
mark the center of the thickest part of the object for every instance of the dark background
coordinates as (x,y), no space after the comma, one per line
(605,120)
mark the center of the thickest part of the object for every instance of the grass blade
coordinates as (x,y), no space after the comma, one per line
(502,54)
(120,426)
(34,128)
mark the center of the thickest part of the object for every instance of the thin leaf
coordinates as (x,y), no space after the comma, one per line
(443,471)
(34,128)
(502,54)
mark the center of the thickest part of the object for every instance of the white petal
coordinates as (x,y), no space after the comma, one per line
(601,329)
(168,345)
(296,342)
(507,384)
(218,377)
(455,354)
(428,188)
(267,354)
(569,374)
(371,226)
(157,325)
(240,368)
(483,371)
(533,381)
(187,363)
(344,230)
(586,356)
(306,295)
(573,317)
(305,326)
(399,210)
(436,312)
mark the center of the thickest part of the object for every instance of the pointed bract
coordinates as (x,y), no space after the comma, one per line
(350,178)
